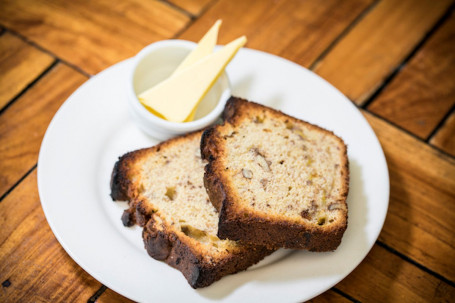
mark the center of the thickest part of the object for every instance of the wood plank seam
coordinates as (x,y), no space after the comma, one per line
(440,124)
(31,84)
(415,263)
(18,182)
(193,19)
(409,133)
(20,64)
(44,50)
(179,9)
(348,28)
(97,294)
(413,52)
(190,14)
(380,42)
(206,8)
(342,293)
(39,47)
(178,33)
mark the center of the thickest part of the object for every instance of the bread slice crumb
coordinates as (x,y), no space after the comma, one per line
(164,187)
(276,180)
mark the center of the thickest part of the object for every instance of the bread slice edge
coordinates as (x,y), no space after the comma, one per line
(241,224)
(164,243)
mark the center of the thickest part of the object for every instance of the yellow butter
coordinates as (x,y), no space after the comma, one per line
(176,97)
(204,48)
(191,116)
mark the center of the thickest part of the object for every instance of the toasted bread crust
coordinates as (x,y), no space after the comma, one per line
(162,241)
(167,246)
(119,181)
(251,227)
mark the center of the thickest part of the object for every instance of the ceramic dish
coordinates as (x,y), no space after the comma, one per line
(154,64)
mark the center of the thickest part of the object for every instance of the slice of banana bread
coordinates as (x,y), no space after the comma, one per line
(276,180)
(164,187)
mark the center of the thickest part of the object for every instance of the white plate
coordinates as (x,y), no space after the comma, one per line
(93,128)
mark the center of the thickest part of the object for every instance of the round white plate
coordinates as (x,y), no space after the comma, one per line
(93,128)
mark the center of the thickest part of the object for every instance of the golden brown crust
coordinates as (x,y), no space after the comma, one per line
(247,225)
(163,241)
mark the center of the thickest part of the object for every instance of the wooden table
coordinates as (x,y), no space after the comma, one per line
(394,59)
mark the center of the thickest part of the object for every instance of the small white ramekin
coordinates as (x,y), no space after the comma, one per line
(155,63)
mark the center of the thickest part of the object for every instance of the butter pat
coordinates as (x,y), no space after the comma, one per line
(176,97)
(203,49)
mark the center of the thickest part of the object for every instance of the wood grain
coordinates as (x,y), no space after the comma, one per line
(194,7)
(23,124)
(423,92)
(296,30)
(31,259)
(20,64)
(445,136)
(328,297)
(92,34)
(421,217)
(110,296)
(384,277)
(361,60)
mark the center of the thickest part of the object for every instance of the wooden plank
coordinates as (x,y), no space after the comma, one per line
(92,34)
(360,62)
(384,277)
(23,124)
(20,64)
(421,217)
(31,259)
(423,92)
(445,136)
(194,7)
(328,297)
(296,30)
(110,296)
